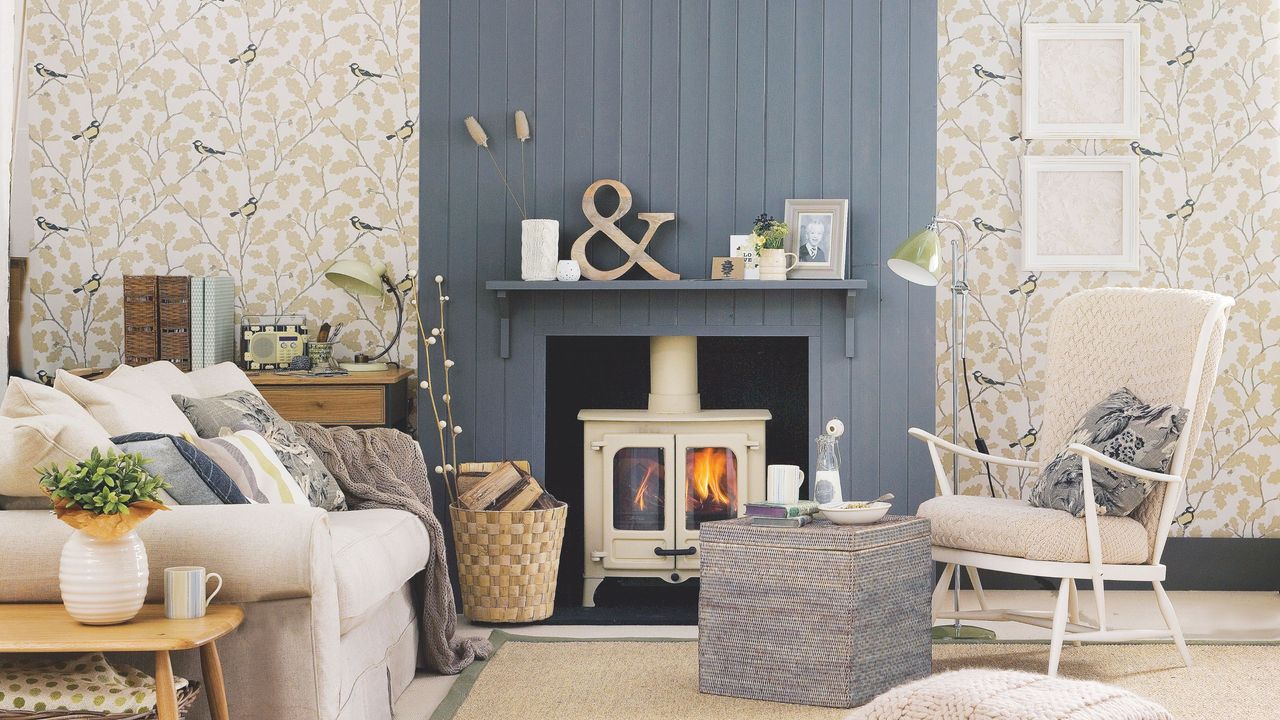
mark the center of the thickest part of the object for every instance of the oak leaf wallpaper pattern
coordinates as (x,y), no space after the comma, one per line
(263,140)
(1210,210)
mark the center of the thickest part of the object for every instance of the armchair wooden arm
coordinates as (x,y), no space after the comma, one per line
(934,442)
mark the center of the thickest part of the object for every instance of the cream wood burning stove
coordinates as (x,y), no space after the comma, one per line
(653,476)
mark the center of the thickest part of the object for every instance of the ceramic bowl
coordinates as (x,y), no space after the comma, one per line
(854,516)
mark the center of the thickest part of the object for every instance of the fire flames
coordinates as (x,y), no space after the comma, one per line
(711,479)
(647,487)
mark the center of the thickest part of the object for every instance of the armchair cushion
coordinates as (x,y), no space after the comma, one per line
(1013,528)
(1123,428)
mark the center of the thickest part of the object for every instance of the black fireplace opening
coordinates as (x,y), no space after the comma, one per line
(770,373)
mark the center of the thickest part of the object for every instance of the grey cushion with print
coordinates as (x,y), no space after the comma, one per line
(193,477)
(1123,428)
(244,410)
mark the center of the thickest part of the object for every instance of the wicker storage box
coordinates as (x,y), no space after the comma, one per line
(818,615)
(508,562)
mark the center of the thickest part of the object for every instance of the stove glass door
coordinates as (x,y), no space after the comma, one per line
(639,515)
(712,477)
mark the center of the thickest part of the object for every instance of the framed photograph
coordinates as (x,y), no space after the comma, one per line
(1080,80)
(818,233)
(1080,213)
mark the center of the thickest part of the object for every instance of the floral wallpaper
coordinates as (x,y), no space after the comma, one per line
(1209,213)
(259,139)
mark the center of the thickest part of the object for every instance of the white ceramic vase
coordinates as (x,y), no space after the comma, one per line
(539,249)
(103,582)
(773,264)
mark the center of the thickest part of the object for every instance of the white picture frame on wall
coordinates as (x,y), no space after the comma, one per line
(1081,80)
(818,234)
(1080,213)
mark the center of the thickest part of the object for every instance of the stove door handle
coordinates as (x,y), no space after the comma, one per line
(667,552)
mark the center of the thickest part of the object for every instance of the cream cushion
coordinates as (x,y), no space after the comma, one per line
(1007,695)
(37,442)
(156,379)
(217,380)
(1004,526)
(24,398)
(375,552)
(126,402)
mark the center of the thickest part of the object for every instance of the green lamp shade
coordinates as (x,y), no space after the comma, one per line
(356,276)
(919,258)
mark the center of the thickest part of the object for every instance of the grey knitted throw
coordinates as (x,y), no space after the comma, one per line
(383,468)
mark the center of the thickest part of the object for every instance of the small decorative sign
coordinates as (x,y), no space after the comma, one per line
(599,224)
(728,268)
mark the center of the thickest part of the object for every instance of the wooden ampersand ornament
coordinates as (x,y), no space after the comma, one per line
(599,224)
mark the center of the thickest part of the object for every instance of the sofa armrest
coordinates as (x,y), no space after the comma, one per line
(262,552)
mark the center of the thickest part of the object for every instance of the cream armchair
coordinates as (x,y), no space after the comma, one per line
(1164,345)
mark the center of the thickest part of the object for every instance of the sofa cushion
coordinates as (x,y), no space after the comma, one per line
(124,403)
(243,410)
(35,442)
(193,477)
(247,458)
(1004,526)
(217,380)
(155,379)
(375,552)
(24,398)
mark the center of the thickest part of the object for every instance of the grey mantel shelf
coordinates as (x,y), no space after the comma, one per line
(503,288)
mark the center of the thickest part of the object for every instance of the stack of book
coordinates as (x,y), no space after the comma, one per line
(797,514)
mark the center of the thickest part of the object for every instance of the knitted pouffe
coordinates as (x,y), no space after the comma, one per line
(1007,695)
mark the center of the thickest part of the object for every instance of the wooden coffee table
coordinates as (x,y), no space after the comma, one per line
(48,628)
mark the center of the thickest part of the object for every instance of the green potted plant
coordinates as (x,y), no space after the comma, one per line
(103,570)
(770,237)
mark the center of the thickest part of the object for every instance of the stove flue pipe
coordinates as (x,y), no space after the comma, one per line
(673,374)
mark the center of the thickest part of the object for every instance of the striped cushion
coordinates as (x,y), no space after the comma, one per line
(253,466)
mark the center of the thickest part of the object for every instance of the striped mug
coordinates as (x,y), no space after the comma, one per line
(184,592)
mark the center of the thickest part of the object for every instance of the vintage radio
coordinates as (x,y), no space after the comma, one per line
(270,342)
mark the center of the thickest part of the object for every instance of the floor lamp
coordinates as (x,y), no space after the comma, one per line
(918,261)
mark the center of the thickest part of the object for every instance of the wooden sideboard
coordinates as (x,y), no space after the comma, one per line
(360,399)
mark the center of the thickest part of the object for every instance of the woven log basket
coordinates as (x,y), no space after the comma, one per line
(508,561)
(186,698)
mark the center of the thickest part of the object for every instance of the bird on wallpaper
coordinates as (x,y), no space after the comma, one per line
(48,73)
(361,72)
(986,227)
(44,378)
(1144,151)
(404,132)
(1186,517)
(249,207)
(363,226)
(247,56)
(89,133)
(47,226)
(977,375)
(205,149)
(405,286)
(1028,286)
(1184,211)
(1028,439)
(986,74)
(1184,58)
(91,285)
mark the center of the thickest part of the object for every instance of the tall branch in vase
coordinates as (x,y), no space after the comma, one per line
(439,393)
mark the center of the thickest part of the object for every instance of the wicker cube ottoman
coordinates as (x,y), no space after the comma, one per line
(819,615)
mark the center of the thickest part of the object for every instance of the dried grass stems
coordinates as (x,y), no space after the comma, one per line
(481,139)
(448,467)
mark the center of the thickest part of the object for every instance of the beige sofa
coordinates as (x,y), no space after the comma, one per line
(330,626)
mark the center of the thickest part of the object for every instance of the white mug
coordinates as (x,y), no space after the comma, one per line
(783,483)
(184,592)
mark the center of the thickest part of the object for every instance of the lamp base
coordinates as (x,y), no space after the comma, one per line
(357,367)
(961,632)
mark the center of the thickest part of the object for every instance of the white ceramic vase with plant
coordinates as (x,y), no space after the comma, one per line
(539,238)
(770,237)
(103,570)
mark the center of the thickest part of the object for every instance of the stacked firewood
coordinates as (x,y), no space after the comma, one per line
(506,485)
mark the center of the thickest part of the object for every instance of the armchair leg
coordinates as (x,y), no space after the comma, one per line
(977,586)
(940,591)
(1171,619)
(1073,607)
(1100,599)
(1060,611)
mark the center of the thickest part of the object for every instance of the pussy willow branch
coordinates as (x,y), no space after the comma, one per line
(448,364)
(430,388)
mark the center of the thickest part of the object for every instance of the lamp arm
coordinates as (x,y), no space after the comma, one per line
(395,337)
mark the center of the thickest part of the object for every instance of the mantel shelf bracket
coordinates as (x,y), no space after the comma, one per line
(504,324)
(850,326)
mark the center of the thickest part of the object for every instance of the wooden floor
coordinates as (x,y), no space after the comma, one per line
(1204,616)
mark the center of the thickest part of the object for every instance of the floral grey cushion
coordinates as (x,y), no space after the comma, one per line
(1123,428)
(244,410)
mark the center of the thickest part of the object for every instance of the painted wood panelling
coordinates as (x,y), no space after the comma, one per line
(716,110)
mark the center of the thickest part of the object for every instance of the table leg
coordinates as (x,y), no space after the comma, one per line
(166,695)
(214,692)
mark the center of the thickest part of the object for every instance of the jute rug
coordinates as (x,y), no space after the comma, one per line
(649,679)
